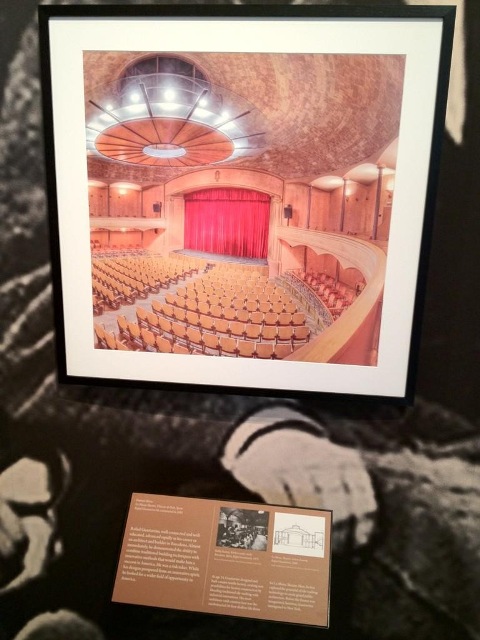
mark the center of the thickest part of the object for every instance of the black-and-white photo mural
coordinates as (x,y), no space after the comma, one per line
(403,482)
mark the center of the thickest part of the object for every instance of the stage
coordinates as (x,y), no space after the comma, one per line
(219,257)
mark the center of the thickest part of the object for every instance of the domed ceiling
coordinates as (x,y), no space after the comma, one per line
(297,116)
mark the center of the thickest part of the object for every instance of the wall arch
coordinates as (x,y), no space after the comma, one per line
(224,177)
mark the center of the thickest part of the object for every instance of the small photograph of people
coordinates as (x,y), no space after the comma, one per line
(242,529)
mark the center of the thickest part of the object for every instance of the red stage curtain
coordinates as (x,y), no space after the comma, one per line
(228,221)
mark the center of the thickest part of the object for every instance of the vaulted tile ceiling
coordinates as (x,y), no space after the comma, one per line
(308,115)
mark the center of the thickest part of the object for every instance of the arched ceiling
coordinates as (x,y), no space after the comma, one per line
(320,114)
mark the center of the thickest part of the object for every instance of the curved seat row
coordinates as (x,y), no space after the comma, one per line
(336,296)
(237,271)
(162,324)
(132,337)
(142,268)
(256,317)
(221,306)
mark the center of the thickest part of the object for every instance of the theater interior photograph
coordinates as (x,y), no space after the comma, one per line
(240,203)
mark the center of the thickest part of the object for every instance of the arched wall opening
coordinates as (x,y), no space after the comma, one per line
(177,192)
(328,264)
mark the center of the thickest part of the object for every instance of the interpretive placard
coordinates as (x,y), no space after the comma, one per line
(229,558)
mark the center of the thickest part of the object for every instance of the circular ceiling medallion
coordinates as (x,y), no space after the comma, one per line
(166,142)
(159,150)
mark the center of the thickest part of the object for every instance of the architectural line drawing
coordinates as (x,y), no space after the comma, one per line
(295,536)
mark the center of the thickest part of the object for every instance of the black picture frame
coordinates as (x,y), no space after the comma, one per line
(395,286)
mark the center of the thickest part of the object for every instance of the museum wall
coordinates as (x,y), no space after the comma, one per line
(412,471)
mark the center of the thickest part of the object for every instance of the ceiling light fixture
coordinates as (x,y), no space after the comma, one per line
(170,120)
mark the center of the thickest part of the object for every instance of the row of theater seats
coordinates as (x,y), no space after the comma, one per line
(249,294)
(217,306)
(113,295)
(153,265)
(214,336)
(96,245)
(227,311)
(130,213)
(239,284)
(122,281)
(209,321)
(162,317)
(147,270)
(218,276)
(336,296)
(186,340)
(233,269)
(117,252)
(260,292)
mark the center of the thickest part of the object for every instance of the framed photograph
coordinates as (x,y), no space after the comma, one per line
(241,200)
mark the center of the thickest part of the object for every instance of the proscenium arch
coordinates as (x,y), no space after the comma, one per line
(224,177)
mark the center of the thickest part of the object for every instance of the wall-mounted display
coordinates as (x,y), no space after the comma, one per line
(240,213)
(228,558)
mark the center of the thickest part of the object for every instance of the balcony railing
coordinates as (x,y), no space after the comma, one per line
(351,252)
(309,298)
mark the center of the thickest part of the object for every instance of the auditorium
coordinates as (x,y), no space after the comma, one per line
(240,204)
